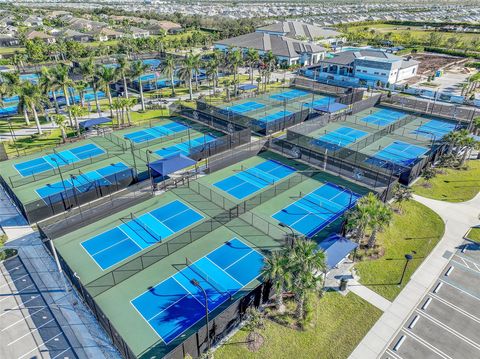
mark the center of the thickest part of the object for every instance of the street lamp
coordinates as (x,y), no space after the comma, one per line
(408,258)
(294,237)
(197,284)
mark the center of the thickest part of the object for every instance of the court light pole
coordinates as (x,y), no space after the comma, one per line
(132,149)
(61,179)
(197,284)
(149,152)
(294,237)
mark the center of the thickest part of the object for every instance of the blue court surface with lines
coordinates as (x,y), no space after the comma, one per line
(245,107)
(384,117)
(275,116)
(175,305)
(320,102)
(62,158)
(59,191)
(155,132)
(135,234)
(435,129)
(184,148)
(340,137)
(289,95)
(399,153)
(314,211)
(253,179)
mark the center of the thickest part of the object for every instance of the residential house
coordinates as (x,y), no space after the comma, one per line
(288,51)
(33,21)
(157,27)
(49,39)
(107,34)
(7,40)
(72,35)
(138,33)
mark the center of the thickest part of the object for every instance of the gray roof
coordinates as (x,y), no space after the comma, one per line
(279,45)
(296,29)
(347,57)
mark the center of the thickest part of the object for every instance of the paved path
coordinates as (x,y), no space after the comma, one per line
(75,321)
(458,217)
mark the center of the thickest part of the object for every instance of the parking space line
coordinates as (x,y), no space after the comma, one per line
(453,306)
(23,319)
(449,329)
(18,306)
(466,258)
(16,293)
(393,354)
(13,281)
(38,346)
(466,266)
(30,332)
(426,344)
(56,356)
(460,289)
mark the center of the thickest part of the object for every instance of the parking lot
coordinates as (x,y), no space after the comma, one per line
(446,323)
(28,328)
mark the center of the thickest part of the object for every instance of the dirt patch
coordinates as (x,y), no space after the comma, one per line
(255,341)
(429,63)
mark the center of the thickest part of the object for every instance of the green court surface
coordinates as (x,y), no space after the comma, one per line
(426,129)
(206,199)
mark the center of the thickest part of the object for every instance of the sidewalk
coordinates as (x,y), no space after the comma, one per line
(458,217)
(76,321)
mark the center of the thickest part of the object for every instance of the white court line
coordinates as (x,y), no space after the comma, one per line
(23,319)
(426,344)
(216,265)
(29,332)
(41,345)
(449,329)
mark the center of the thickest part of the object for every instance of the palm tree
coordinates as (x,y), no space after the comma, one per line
(452,139)
(106,76)
(380,215)
(476,125)
(197,63)
(61,122)
(138,69)
(276,270)
(212,73)
(252,58)
(123,70)
(269,61)
(48,83)
(81,86)
(128,104)
(64,82)
(468,144)
(401,194)
(357,222)
(78,111)
(307,266)
(235,60)
(168,69)
(30,97)
(186,72)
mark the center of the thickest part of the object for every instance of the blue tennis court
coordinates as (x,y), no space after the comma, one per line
(314,211)
(84,182)
(137,233)
(340,137)
(289,95)
(185,148)
(62,158)
(400,153)
(275,116)
(324,101)
(435,129)
(245,107)
(155,132)
(384,117)
(250,180)
(175,305)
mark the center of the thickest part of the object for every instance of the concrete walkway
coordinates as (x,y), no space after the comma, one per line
(83,332)
(458,217)
(369,295)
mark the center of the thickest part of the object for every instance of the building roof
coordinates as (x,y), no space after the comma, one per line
(38,34)
(279,45)
(336,248)
(295,29)
(348,57)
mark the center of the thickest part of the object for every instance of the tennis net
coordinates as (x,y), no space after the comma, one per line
(331,207)
(251,172)
(341,138)
(145,228)
(84,176)
(219,288)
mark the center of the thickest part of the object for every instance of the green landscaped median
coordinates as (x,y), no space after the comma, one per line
(453,185)
(416,231)
(474,234)
(339,324)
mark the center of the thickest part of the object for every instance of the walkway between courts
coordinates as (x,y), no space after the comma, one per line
(458,217)
(83,331)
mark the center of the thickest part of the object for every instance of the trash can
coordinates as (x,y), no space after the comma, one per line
(343,284)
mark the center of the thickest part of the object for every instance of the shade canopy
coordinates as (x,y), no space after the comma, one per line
(247,87)
(331,108)
(171,164)
(93,122)
(336,248)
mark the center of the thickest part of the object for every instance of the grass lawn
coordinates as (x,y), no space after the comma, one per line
(454,185)
(18,122)
(339,324)
(30,144)
(474,234)
(416,231)
(149,114)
